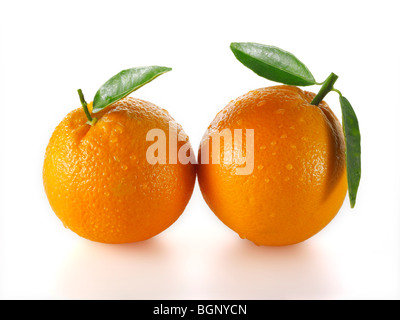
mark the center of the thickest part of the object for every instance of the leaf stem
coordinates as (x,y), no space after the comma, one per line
(327,86)
(336,90)
(91,120)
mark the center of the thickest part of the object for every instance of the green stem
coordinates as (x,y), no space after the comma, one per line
(327,86)
(91,120)
(336,90)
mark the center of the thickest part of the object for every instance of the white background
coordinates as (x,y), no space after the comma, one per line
(49,49)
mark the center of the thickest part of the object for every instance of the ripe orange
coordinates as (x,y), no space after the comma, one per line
(99,182)
(299,179)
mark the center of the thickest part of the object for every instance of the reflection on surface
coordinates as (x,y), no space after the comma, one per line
(170,269)
(130,271)
(246,271)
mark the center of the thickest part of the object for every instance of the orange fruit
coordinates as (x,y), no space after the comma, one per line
(298,183)
(98,179)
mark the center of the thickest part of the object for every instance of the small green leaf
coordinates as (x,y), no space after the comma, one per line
(353,148)
(273,63)
(124,83)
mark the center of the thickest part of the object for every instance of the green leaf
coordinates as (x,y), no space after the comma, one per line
(124,83)
(273,63)
(353,148)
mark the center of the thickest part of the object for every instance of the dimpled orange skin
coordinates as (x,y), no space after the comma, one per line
(99,183)
(299,179)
